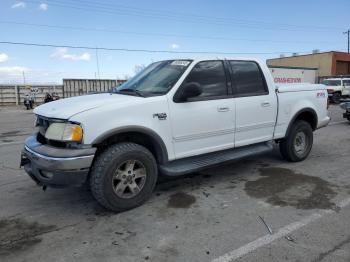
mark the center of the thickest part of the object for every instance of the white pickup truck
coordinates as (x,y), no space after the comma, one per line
(174,117)
(337,88)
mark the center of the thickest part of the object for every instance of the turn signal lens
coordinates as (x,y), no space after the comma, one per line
(72,132)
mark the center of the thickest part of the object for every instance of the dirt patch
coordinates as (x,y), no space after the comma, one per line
(19,234)
(181,200)
(7,140)
(10,133)
(284,187)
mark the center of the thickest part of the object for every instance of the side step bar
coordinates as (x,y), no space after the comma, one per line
(197,163)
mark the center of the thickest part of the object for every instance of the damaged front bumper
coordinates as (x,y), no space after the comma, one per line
(56,167)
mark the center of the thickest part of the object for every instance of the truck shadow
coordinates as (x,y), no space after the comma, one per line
(176,189)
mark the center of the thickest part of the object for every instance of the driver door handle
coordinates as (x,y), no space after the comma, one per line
(223,108)
(265,104)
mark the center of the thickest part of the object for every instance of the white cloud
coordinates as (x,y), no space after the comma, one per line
(11,72)
(174,46)
(62,53)
(3,57)
(43,6)
(19,5)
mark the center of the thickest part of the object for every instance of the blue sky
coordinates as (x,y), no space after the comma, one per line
(266,27)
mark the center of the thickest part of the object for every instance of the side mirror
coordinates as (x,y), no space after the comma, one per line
(189,90)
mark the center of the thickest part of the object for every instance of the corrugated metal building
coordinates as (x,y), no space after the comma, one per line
(331,63)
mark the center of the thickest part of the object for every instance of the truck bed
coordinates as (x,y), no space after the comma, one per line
(293,98)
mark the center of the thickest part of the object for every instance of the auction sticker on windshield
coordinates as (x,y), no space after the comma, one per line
(180,63)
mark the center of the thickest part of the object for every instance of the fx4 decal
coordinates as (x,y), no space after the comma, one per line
(161,116)
(320,95)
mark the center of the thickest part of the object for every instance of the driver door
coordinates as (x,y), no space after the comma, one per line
(204,123)
(346,87)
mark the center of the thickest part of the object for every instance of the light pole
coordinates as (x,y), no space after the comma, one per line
(348,33)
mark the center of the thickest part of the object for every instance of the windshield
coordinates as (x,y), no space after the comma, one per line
(331,82)
(156,79)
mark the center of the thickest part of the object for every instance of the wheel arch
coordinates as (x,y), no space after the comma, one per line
(136,134)
(307,114)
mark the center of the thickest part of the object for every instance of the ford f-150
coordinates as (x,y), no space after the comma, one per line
(174,117)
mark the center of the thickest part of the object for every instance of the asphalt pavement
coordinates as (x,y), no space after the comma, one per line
(258,209)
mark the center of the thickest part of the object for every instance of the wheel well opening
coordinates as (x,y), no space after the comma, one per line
(309,117)
(138,138)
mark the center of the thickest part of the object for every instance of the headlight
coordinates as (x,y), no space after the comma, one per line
(64,132)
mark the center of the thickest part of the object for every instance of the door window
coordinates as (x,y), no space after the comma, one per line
(210,75)
(248,78)
(346,82)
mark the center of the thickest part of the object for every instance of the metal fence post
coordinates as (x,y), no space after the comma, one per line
(16,95)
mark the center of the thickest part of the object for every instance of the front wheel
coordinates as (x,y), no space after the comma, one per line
(298,143)
(123,176)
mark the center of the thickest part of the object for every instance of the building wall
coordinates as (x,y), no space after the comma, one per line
(322,61)
(329,63)
(341,64)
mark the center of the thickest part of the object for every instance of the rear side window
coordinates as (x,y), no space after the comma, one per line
(331,82)
(346,82)
(210,75)
(248,79)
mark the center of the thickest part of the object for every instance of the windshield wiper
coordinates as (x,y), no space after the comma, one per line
(130,90)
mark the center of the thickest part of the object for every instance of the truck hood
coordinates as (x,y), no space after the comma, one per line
(66,108)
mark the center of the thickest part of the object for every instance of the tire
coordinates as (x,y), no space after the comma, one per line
(108,170)
(291,147)
(336,98)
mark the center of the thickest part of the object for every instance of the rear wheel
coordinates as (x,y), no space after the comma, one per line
(123,176)
(298,143)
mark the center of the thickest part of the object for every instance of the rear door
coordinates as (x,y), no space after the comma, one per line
(256,107)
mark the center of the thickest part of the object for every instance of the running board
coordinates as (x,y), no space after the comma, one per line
(197,163)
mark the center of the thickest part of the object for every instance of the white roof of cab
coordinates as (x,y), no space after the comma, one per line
(203,58)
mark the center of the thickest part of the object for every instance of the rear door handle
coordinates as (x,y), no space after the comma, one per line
(265,104)
(223,108)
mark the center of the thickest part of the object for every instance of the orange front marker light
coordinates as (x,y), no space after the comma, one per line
(72,132)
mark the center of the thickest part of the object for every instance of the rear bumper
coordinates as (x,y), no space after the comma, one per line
(56,167)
